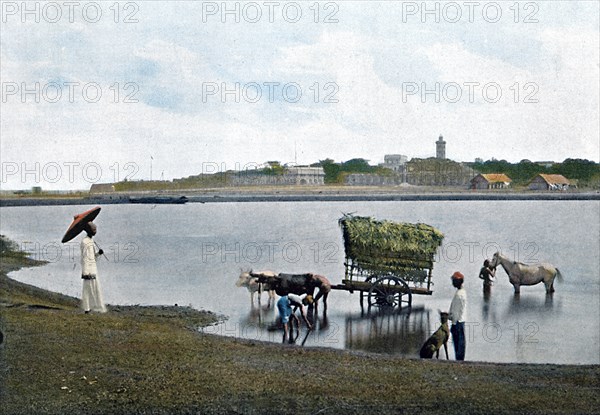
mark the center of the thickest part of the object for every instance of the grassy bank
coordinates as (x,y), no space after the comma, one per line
(152,360)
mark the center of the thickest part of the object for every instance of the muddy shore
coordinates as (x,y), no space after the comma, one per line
(154,360)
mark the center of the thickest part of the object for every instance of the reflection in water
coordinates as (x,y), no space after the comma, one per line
(488,307)
(531,303)
(487,293)
(256,316)
(320,324)
(257,324)
(267,319)
(397,333)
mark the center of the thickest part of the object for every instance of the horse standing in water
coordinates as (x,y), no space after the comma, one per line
(523,274)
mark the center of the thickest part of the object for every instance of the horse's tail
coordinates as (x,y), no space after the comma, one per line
(559,275)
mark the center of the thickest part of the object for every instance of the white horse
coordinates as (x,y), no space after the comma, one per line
(252,284)
(523,274)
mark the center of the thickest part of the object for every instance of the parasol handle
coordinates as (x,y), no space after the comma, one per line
(103,254)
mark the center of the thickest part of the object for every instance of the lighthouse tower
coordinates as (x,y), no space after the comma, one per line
(440,148)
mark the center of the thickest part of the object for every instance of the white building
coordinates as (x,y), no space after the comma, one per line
(394,162)
(297,175)
(304,175)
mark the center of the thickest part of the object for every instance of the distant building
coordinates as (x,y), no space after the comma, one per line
(102,188)
(440,148)
(549,182)
(394,162)
(491,181)
(106,191)
(298,175)
(437,172)
(304,175)
(369,179)
(418,172)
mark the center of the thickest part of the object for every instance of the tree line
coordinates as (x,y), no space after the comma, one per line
(585,172)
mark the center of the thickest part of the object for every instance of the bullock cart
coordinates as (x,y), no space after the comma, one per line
(387,262)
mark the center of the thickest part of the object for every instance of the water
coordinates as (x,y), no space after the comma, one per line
(192,254)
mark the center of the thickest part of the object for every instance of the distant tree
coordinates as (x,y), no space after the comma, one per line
(383,171)
(586,172)
(358,165)
(274,168)
(335,172)
(331,168)
(579,169)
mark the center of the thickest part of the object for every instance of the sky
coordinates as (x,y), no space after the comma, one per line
(96,92)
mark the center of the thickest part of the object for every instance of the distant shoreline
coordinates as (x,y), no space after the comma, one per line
(345,195)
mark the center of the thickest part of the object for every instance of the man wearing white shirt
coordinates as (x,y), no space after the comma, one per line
(458,315)
(287,306)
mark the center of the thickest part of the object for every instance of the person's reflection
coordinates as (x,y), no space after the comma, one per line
(486,304)
(324,321)
(319,324)
(310,313)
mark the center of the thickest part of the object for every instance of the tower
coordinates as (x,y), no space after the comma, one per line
(440,148)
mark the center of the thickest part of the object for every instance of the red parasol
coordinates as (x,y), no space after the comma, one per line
(79,222)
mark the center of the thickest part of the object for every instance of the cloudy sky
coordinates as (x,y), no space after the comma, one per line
(100,91)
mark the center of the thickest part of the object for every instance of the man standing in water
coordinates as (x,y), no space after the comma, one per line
(487,274)
(324,286)
(91,298)
(457,313)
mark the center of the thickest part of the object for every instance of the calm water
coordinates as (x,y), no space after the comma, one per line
(192,255)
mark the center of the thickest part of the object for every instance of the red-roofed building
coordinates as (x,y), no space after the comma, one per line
(549,182)
(491,181)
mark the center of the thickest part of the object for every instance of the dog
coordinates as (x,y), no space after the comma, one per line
(438,338)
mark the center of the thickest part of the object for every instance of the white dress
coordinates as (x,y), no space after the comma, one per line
(91,298)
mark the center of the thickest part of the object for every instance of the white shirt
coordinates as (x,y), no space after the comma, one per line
(295,300)
(458,307)
(88,257)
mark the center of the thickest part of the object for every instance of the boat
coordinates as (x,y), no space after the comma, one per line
(155,200)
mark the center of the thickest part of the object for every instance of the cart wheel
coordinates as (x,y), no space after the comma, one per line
(390,292)
(363,294)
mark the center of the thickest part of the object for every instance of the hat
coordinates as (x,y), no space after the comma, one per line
(308,299)
(458,276)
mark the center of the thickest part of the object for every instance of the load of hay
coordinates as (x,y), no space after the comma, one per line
(385,245)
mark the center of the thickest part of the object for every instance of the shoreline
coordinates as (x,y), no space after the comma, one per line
(287,194)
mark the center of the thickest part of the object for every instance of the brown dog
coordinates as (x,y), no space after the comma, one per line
(438,338)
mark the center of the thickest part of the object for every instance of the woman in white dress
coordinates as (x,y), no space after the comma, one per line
(91,298)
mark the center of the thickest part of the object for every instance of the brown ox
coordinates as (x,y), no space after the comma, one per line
(298,284)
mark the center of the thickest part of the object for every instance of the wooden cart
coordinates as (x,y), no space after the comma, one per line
(388,262)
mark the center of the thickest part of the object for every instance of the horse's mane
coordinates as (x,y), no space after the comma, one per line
(514,262)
